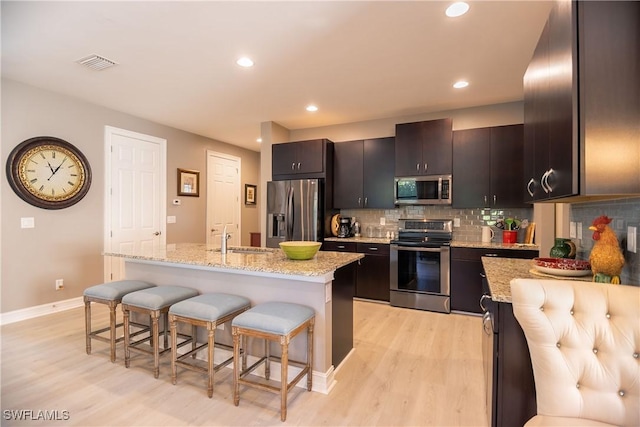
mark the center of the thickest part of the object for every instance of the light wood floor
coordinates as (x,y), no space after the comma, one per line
(410,368)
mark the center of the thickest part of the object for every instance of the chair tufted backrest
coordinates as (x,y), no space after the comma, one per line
(584,341)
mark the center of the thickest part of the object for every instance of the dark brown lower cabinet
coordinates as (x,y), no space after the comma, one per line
(466,267)
(372,275)
(342,292)
(510,387)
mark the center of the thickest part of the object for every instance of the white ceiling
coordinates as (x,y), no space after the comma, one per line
(356,60)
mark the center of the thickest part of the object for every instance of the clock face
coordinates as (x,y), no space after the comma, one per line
(48,172)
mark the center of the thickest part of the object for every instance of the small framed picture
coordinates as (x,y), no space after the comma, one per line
(250,194)
(188,182)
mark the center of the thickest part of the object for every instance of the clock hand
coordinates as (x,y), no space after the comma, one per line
(56,170)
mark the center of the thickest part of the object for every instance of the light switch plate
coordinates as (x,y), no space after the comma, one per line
(27,222)
(456,222)
(632,236)
(171,219)
(572,230)
(579,231)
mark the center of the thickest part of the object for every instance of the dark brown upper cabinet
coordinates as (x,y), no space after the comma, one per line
(302,159)
(487,167)
(582,103)
(424,148)
(363,174)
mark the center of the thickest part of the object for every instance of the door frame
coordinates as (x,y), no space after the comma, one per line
(109,131)
(237,159)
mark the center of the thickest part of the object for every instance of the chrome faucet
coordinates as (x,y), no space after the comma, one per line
(225,237)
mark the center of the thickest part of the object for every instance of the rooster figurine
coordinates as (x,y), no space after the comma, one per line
(606,256)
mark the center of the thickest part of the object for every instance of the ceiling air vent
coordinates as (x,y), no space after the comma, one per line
(96,62)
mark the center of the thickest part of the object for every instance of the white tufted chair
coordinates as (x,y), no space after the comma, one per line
(584,340)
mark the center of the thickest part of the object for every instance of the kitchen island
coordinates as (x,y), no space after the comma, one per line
(325,283)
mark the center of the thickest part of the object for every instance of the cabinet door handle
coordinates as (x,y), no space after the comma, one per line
(340,246)
(293,166)
(366,201)
(490,255)
(485,200)
(531,181)
(425,167)
(298,165)
(373,249)
(494,199)
(359,200)
(549,173)
(418,167)
(482,299)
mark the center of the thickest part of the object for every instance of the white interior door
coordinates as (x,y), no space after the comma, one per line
(223,198)
(135,195)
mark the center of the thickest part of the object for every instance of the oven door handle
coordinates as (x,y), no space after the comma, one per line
(414,249)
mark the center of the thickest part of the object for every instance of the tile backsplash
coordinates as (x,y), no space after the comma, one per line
(625,213)
(470,219)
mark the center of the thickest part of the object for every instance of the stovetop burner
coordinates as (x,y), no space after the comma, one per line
(424,232)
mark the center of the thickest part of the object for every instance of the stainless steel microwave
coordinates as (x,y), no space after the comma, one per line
(423,190)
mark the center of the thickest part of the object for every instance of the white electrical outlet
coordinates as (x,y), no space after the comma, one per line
(383,221)
(572,230)
(456,222)
(59,284)
(632,235)
(579,231)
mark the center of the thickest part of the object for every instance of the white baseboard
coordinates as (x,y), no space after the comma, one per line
(40,310)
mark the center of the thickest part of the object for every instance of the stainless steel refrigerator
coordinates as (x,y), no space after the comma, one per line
(295,211)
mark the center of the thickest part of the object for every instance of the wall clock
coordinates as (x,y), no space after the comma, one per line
(48,172)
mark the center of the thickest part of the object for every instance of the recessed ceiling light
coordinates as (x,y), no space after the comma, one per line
(460,84)
(245,62)
(312,108)
(457,9)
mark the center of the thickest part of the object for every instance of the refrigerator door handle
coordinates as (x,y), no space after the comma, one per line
(290,218)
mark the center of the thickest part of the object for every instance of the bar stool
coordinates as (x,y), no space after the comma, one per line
(272,321)
(208,311)
(109,294)
(153,302)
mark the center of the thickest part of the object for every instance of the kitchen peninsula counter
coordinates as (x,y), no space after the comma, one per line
(500,272)
(325,283)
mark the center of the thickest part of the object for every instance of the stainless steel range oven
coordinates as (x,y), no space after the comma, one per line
(420,265)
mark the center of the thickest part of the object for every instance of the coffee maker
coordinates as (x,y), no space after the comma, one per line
(344,230)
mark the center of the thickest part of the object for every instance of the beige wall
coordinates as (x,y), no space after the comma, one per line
(67,244)
(468,118)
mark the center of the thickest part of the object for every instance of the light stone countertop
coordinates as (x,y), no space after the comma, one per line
(500,272)
(454,243)
(264,260)
(362,239)
(494,245)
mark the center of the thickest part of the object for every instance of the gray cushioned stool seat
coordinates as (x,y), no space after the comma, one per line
(109,294)
(116,290)
(158,297)
(154,302)
(279,322)
(274,317)
(205,311)
(209,307)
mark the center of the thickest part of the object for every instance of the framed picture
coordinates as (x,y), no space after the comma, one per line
(188,183)
(250,194)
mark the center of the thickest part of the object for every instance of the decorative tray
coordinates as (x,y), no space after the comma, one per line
(562,266)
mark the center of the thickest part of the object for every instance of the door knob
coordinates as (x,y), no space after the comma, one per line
(157,233)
